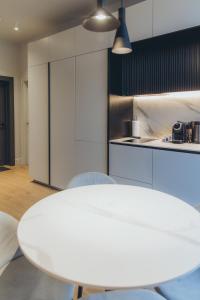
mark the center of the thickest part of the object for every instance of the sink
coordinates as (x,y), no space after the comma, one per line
(139,140)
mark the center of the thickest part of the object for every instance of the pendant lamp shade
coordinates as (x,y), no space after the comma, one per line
(101,20)
(122,44)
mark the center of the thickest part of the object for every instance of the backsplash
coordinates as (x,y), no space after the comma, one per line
(157,113)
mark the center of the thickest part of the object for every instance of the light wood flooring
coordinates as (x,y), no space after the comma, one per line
(18,193)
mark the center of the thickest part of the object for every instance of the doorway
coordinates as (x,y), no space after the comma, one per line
(7,149)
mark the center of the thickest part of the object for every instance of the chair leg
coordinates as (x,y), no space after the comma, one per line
(80,292)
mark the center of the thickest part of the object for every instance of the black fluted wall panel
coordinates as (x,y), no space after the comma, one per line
(166,63)
(115,73)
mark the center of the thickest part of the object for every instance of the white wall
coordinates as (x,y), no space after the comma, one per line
(13,64)
(23,61)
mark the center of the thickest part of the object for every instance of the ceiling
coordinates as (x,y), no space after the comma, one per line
(39,18)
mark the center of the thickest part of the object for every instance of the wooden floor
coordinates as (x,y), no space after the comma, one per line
(18,193)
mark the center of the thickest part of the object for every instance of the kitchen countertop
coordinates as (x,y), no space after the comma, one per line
(159,144)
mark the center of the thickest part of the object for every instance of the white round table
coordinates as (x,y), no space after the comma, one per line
(112,236)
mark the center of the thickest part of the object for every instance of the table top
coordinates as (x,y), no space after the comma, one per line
(112,236)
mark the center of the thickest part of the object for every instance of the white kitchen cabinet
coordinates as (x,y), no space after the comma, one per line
(87,41)
(91,97)
(177,173)
(62,116)
(90,157)
(62,45)
(38,123)
(125,181)
(139,20)
(134,163)
(173,15)
(38,52)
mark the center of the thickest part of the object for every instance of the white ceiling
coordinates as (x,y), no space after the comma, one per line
(39,18)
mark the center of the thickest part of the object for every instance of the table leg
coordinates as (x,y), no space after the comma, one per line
(80,292)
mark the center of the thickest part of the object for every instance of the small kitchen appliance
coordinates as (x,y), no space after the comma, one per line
(179,132)
(196,132)
(136,128)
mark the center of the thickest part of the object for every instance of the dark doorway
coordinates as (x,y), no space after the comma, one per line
(7,151)
(3,92)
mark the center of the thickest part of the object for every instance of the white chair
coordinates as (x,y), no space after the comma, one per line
(126,295)
(8,240)
(90,178)
(19,279)
(184,288)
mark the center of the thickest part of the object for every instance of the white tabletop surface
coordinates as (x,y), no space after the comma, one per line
(112,236)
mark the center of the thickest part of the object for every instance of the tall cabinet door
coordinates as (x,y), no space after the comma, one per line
(38,121)
(62,107)
(91,111)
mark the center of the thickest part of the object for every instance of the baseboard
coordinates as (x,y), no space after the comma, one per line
(18,161)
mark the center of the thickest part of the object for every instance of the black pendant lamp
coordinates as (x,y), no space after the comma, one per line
(101,20)
(122,44)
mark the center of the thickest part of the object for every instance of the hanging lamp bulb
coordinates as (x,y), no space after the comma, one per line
(101,20)
(122,44)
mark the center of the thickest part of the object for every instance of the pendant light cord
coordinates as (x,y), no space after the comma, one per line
(100,3)
(122,13)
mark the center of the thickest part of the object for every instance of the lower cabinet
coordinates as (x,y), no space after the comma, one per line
(125,181)
(177,174)
(131,163)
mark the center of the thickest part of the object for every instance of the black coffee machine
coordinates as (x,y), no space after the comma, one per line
(179,132)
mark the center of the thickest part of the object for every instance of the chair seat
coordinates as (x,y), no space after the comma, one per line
(184,288)
(126,295)
(22,281)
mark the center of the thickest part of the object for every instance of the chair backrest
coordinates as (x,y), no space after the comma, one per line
(8,239)
(90,178)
